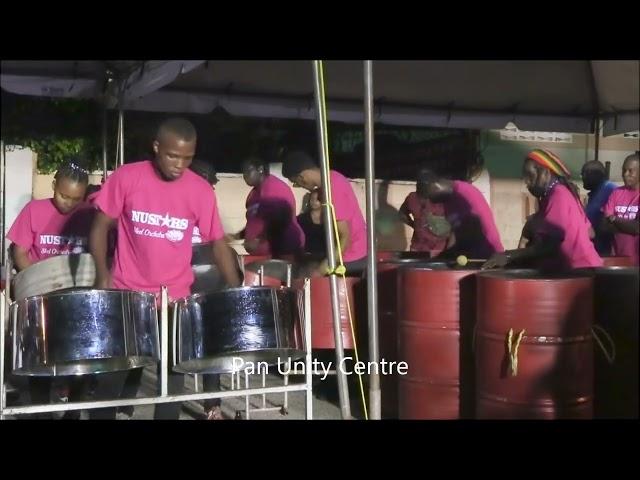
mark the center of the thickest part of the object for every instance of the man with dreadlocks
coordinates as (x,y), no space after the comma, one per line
(561,231)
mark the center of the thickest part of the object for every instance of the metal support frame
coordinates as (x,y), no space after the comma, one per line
(372,279)
(164,397)
(284,408)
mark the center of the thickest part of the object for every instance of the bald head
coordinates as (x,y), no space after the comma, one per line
(180,128)
(593,174)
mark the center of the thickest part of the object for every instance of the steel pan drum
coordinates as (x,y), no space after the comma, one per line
(55,273)
(257,324)
(206,276)
(84,331)
(274,273)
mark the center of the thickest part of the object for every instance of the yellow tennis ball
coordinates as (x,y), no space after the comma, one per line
(462,260)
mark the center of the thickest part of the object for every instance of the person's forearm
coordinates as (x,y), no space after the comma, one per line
(226,263)
(98,245)
(630,227)
(20,258)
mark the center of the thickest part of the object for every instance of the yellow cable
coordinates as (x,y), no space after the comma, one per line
(340,268)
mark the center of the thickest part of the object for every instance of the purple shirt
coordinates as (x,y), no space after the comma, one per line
(472,222)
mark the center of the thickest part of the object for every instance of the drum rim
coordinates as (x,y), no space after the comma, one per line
(537,275)
(84,290)
(194,296)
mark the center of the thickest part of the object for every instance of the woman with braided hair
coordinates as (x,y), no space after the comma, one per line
(561,231)
(54,226)
(47,228)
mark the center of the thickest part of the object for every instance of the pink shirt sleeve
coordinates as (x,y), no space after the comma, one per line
(110,198)
(209,220)
(21,232)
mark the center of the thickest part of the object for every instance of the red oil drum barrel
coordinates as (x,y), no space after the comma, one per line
(618,261)
(383,255)
(321,311)
(544,369)
(388,329)
(436,315)
(616,300)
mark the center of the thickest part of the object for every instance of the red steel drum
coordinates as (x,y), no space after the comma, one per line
(388,329)
(321,311)
(435,304)
(554,377)
(618,261)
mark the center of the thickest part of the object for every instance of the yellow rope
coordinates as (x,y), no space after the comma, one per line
(340,269)
(512,350)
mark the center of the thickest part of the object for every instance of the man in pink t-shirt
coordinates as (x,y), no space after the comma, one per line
(272,228)
(54,226)
(621,212)
(473,228)
(561,230)
(302,171)
(156,204)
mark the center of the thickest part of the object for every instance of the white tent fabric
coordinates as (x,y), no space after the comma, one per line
(534,95)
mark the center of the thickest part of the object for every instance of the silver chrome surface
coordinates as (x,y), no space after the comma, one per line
(83,331)
(207,277)
(272,268)
(257,324)
(55,273)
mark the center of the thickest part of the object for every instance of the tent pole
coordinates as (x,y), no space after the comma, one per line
(372,279)
(343,387)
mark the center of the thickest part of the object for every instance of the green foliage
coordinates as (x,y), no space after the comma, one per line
(55,129)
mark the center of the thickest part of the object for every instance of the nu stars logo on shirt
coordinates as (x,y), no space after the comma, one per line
(158,220)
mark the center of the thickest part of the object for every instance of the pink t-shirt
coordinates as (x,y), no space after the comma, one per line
(155,226)
(348,210)
(623,203)
(42,230)
(472,221)
(561,216)
(268,203)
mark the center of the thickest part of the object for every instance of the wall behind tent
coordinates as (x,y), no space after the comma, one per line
(20,172)
(504,157)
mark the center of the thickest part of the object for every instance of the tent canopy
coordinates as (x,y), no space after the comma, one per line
(534,95)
